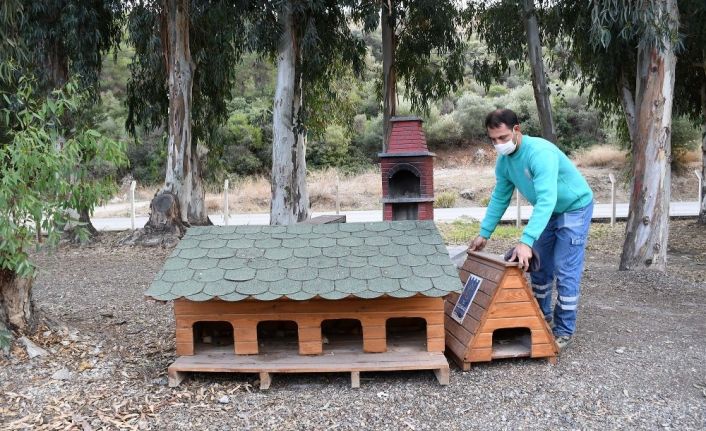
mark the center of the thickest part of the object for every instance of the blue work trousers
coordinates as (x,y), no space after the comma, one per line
(561,250)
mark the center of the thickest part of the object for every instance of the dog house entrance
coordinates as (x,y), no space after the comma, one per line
(342,334)
(213,336)
(277,336)
(406,334)
(512,343)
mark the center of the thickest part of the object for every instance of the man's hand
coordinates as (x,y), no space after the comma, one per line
(478,244)
(523,253)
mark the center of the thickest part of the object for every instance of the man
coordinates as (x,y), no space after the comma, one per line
(558,228)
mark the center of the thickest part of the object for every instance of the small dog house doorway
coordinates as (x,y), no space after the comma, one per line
(213,336)
(277,336)
(342,334)
(512,343)
(406,334)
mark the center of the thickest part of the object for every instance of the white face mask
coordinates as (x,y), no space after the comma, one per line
(507,147)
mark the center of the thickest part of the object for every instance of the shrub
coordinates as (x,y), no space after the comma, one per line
(442,130)
(445,200)
(470,114)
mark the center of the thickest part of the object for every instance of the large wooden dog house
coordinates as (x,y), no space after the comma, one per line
(503,319)
(345,297)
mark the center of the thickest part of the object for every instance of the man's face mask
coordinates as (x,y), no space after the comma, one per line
(506,147)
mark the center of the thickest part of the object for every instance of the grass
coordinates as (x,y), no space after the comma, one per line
(463,231)
(601,156)
(445,200)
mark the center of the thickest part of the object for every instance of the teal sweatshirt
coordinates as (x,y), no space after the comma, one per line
(545,177)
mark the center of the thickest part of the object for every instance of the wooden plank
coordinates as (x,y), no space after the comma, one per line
(436,344)
(482,270)
(326,219)
(374,345)
(183,308)
(175,377)
(246,347)
(531,323)
(514,281)
(482,340)
(184,349)
(355,379)
(460,363)
(513,309)
(435,331)
(482,299)
(541,336)
(265,380)
(442,375)
(310,347)
(512,295)
(544,350)
(455,346)
(480,355)
(458,331)
(476,312)
(340,361)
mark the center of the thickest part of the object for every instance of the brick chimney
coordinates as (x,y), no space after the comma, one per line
(407,170)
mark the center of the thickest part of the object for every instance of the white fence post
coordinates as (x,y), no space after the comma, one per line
(519,211)
(338,200)
(133,184)
(611,177)
(701,184)
(225,202)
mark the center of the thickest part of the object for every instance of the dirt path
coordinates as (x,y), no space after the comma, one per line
(637,361)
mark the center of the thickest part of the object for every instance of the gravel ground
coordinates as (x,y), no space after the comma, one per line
(637,361)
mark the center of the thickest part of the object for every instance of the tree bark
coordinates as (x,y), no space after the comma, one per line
(16,305)
(290,196)
(628,102)
(389,90)
(183,175)
(539,81)
(702,211)
(647,229)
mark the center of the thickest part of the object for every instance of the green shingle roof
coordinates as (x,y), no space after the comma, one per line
(330,261)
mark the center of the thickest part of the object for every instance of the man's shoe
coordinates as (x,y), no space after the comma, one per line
(563,341)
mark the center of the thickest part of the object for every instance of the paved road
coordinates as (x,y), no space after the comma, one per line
(600,212)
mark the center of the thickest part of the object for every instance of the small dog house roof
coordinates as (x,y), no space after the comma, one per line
(303,261)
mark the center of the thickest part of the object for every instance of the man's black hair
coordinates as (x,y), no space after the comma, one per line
(499,117)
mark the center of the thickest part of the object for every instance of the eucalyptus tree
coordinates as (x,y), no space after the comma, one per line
(185,52)
(498,24)
(629,60)
(312,43)
(37,183)
(421,47)
(69,38)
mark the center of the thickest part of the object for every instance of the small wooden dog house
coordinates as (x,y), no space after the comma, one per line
(498,317)
(346,297)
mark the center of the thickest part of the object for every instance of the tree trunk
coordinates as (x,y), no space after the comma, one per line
(539,81)
(647,230)
(197,205)
(628,102)
(183,175)
(389,86)
(702,212)
(290,197)
(16,306)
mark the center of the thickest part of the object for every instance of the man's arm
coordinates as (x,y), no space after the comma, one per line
(499,201)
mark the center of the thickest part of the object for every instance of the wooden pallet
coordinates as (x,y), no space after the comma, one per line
(335,360)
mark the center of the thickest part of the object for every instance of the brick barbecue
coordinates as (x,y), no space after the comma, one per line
(407,169)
